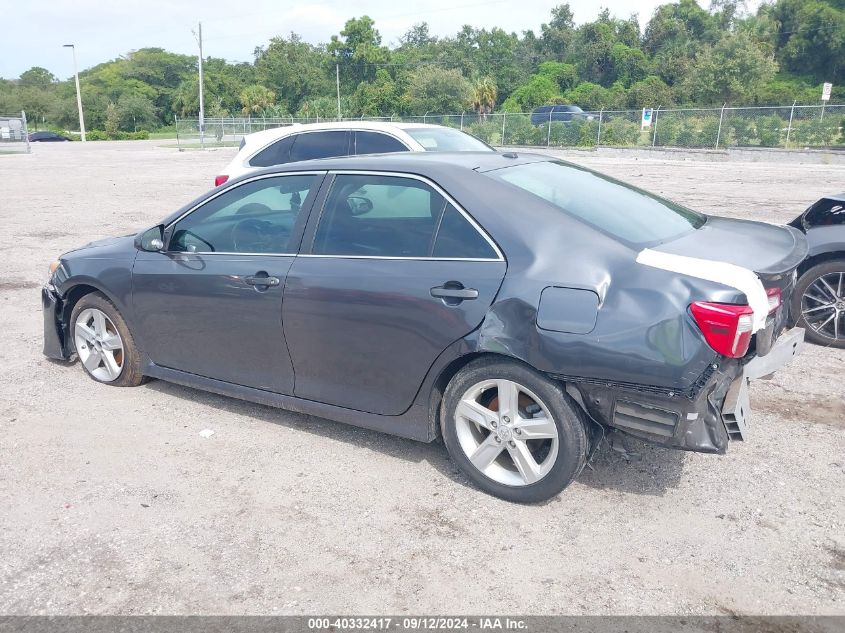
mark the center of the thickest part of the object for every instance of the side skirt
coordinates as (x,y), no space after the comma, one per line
(413,424)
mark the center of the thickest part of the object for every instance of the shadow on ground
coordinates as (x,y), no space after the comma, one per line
(650,471)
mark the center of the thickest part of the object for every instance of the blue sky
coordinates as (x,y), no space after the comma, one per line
(103,30)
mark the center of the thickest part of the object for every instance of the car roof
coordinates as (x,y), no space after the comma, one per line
(383,126)
(839,197)
(415,162)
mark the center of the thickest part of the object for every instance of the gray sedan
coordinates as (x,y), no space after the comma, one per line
(517,307)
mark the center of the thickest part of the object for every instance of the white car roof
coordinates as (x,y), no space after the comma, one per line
(265,136)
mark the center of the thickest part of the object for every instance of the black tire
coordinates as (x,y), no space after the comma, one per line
(566,414)
(130,373)
(804,282)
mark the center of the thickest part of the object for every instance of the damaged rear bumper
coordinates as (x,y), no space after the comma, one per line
(704,418)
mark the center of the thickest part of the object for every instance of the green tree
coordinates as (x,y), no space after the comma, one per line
(358,50)
(37,77)
(256,98)
(733,71)
(437,90)
(294,69)
(538,90)
(484,94)
(136,112)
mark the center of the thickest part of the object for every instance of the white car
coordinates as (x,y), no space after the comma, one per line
(325,140)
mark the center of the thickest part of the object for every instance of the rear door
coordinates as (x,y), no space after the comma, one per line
(395,273)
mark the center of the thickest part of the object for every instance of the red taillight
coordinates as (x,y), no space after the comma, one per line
(726,326)
(219,180)
(775,299)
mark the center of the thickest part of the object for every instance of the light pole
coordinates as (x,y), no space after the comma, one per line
(78,93)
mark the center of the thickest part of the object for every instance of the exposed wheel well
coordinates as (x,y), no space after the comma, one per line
(442,381)
(70,299)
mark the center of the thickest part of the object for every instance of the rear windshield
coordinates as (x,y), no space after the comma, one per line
(435,139)
(625,212)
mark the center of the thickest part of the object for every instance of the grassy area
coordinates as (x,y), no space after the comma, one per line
(203,146)
(164,133)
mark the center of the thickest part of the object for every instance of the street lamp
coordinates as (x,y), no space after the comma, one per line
(78,93)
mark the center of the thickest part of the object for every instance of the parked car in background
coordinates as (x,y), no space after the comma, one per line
(517,306)
(819,301)
(347,138)
(558,113)
(46,137)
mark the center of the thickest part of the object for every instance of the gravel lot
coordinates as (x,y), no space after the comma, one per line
(113,502)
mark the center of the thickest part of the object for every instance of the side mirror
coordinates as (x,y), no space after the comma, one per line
(359,205)
(151,240)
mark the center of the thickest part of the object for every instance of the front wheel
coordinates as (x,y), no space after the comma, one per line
(103,343)
(819,303)
(512,431)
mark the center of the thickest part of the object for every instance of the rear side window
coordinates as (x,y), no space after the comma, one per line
(632,215)
(459,239)
(825,213)
(377,143)
(320,145)
(276,154)
(393,216)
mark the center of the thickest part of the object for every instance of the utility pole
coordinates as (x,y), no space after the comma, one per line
(78,93)
(337,83)
(198,36)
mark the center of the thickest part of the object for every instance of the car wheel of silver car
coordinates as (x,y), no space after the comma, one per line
(819,303)
(103,343)
(512,431)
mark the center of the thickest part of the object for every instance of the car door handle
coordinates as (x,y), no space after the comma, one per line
(253,280)
(456,292)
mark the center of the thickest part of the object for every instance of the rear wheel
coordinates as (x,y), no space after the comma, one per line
(103,342)
(819,303)
(512,431)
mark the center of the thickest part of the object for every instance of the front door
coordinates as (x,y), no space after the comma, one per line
(211,303)
(395,275)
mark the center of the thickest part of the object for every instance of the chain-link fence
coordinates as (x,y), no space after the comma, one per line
(14,136)
(793,127)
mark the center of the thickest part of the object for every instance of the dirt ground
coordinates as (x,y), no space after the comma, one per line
(113,503)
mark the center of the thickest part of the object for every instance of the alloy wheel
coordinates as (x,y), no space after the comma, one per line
(507,432)
(823,305)
(98,345)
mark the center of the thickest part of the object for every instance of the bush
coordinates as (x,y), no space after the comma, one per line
(487,131)
(814,133)
(742,130)
(100,135)
(520,131)
(574,133)
(770,130)
(707,129)
(620,132)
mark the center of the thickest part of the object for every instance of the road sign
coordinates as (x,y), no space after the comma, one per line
(826,88)
(647,114)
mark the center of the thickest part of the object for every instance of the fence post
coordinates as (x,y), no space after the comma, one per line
(719,132)
(26,131)
(504,120)
(549,133)
(462,121)
(598,137)
(654,122)
(789,127)
(176,125)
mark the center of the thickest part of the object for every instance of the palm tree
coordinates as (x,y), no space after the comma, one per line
(256,98)
(484,96)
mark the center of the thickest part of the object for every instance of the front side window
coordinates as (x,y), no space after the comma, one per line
(255,217)
(632,215)
(311,145)
(393,216)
